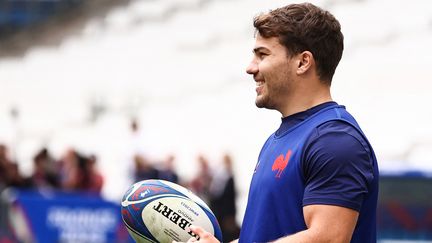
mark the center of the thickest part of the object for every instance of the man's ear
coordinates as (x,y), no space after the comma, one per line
(305,61)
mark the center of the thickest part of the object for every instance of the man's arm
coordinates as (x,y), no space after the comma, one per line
(325,223)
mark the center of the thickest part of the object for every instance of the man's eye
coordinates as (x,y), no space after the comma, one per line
(262,55)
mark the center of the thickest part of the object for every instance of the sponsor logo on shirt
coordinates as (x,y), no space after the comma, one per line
(281,163)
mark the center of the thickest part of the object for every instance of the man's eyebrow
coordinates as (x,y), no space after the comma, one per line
(257,49)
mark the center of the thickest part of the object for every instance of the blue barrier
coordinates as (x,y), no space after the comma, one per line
(65,217)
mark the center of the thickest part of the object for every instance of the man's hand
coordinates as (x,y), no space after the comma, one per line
(205,237)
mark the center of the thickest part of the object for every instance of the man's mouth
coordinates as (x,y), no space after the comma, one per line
(259,86)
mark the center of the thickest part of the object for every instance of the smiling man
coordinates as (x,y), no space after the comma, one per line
(316,179)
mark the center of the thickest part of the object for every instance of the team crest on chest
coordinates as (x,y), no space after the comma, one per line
(281,163)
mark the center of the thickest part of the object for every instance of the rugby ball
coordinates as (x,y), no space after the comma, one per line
(162,211)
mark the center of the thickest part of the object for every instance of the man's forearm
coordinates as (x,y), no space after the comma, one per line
(313,236)
(305,236)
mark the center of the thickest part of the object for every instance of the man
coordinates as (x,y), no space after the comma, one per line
(316,179)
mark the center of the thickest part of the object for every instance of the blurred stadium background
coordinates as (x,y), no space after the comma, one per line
(74,75)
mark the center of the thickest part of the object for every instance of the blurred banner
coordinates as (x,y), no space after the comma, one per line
(405,207)
(63,217)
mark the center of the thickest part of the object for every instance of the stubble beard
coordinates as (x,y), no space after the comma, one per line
(270,98)
(274,92)
(261,102)
(264,101)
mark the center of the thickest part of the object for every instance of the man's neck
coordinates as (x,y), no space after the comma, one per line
(305,100)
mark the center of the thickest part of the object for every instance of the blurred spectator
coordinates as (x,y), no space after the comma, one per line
(201,182)
(4,161)
(168,172)
(143,169)
(9,171)
(134,146)
(67,168)
(90,179)
(44,173)
(14,178)
(223,199)
(82,173)
(134,126)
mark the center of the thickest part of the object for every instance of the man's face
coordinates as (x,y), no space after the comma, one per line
(272,71)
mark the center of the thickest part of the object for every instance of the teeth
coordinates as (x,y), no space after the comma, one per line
(259,83)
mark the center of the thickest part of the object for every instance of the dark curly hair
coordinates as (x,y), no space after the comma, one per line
(305,27)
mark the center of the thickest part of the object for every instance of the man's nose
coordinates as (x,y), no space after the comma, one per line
(252,68)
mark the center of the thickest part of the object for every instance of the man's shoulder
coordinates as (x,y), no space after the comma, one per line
(337,140)
(334,130)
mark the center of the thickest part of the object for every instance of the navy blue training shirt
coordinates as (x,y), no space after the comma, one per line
(335,141)
(318,156)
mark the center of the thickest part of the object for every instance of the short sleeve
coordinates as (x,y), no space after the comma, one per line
(337,166)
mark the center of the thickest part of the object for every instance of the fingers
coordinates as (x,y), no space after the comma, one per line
(204,236)
(193,239)
(197,230)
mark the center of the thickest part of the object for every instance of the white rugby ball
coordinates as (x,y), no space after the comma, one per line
(162,211)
